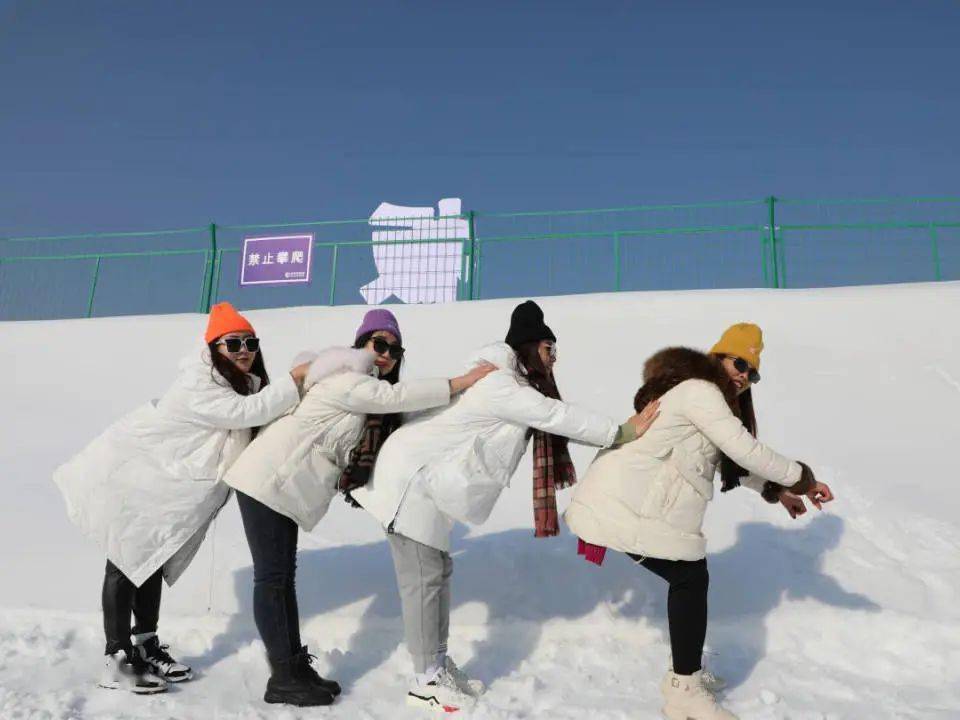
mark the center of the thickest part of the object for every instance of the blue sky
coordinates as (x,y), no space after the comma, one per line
(136,115)
(127,116)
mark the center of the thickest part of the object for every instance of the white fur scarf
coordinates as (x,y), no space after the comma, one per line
(334,360)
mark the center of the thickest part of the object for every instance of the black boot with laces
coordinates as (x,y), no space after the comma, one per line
(124,670)
(288,684)
(161,664)
(307,672)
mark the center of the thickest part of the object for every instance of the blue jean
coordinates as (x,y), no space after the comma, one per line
(272,538)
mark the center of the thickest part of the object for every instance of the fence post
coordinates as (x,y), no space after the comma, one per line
(935,247)
(469,265)
(764,261)
(782,260)
(93,287)
(476,287)
(204,281)
(213,263)
(774,253)
(333,275)
(217,271)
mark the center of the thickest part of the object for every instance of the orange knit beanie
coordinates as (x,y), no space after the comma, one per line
(225,319)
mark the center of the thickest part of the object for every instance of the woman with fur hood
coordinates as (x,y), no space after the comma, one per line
(147,489)
(453,464)
(648,498)
(353,400)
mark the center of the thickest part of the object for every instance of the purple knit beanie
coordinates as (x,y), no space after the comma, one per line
(379,319)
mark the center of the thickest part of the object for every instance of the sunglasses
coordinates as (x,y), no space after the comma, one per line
(380,346)
(233,345)
(742,366)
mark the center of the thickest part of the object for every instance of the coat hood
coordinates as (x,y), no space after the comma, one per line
(334,360)
(498,353)
(668,368)
(197,358)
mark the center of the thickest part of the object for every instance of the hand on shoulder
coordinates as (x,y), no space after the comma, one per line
(468,380)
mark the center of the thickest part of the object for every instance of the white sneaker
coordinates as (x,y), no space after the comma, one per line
(473,688)
(687,699)
(123,673)
(440,694)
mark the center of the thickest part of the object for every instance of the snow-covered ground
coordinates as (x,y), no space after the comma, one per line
(849,613)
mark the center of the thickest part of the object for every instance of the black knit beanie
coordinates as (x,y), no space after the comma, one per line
(526,325)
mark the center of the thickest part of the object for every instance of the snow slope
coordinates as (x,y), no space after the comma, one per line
(849,613)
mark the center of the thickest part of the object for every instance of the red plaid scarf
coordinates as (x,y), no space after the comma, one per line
(552,469)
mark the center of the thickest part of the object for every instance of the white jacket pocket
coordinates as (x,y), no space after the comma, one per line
(687,510)
(465,488)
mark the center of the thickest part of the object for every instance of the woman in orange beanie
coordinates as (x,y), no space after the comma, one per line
(648,498)
(147,489)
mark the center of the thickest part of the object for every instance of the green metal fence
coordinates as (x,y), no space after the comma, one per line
(772,243)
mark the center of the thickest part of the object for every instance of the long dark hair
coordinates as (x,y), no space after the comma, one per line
(541,379)
(730,472)
(390,421)
(376,430)
(236,378)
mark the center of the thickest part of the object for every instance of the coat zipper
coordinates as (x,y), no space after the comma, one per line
(403,496)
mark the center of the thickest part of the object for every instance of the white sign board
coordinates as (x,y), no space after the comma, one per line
(410,269)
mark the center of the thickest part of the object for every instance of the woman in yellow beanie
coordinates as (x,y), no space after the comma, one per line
(648,498)
(147,489)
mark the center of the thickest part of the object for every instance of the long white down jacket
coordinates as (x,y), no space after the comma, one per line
(649,496)
(453,464)
(293,465)
(148,487)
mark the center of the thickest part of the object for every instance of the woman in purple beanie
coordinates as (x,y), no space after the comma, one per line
(352,400)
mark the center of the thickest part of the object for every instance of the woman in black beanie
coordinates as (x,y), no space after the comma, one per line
(452,465)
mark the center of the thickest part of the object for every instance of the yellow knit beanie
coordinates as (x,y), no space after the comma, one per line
(743,340)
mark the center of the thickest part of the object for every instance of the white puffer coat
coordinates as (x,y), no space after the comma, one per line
(453,464)
(293,465)
(148,487)
(649,496)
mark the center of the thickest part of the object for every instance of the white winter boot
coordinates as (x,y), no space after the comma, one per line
(711,682)
(687,699)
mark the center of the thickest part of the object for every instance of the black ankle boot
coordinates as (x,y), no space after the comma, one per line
(308,673)
(287,685)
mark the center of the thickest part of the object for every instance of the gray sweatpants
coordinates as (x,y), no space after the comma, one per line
(423,578)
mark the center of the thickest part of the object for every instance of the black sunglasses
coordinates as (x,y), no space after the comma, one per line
(234,344)
(743,366)
(380,346)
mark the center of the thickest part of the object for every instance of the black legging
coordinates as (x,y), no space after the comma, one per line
(120,598)
(272,538)
(686,608)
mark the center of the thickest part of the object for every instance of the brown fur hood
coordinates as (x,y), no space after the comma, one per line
(668,368)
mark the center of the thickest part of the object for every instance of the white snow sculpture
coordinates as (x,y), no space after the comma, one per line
(417,272)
